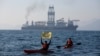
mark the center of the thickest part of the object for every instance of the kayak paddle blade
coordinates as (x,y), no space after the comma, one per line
(78,44)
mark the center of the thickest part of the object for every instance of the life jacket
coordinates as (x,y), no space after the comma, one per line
(45,46)
(69,42)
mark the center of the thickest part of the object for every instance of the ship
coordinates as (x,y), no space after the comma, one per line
(51,24)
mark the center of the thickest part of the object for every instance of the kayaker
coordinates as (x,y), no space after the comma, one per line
(45,45)
(69,43)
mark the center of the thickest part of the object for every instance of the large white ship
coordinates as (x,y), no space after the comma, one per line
(51,24)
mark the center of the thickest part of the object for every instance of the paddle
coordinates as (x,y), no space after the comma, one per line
(78,43)
(63,46)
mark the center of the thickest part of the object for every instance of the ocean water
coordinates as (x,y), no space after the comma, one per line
(13,42)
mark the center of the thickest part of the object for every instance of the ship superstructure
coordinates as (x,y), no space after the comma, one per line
(51,24)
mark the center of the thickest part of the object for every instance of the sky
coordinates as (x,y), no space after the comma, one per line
(14,13)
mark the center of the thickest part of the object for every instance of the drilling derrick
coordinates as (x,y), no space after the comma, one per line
(51,17)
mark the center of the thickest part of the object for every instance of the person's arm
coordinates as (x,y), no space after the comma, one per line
(41,41)
(50,42)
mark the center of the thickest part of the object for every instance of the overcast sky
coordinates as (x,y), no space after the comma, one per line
(13,13)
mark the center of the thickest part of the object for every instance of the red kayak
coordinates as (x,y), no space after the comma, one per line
(37,51)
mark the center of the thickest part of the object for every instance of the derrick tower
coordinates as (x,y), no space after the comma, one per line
(51,17)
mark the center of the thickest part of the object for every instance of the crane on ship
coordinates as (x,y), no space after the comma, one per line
(75,20)
(71,22)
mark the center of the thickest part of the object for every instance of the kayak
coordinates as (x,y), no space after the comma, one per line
(37,51)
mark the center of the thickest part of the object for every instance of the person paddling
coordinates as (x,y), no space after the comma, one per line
(69,43)
(45,45)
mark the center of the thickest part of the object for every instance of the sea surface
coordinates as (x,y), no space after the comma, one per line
(13,42)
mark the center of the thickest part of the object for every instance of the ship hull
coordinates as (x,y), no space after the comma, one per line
(49,28)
